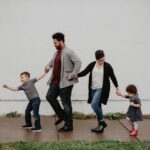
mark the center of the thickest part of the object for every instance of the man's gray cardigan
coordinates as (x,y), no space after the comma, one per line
(70,63)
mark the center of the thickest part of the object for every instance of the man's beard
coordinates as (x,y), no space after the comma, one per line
(58,48)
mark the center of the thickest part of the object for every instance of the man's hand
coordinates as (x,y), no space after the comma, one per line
(71,76)
(46,70)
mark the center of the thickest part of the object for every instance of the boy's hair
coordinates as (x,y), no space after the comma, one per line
(59,36)
(99,54)
(131,89)
(25,73)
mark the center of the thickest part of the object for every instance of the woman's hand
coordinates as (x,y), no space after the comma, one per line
(118,92)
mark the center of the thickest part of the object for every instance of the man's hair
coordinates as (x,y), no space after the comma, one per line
(59,36)
(99,54)
(131,89)
(25,73)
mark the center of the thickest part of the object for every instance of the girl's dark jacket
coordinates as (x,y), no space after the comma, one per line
(108,74)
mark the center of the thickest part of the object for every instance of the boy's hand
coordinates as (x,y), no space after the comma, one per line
(5,86)
(10,88)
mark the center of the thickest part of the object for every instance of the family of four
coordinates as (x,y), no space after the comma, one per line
(65,66)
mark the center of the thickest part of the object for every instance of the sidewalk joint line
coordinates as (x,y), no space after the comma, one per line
(56,129)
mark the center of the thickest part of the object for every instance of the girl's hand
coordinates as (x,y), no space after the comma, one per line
(131,104)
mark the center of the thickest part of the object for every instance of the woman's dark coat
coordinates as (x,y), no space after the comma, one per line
(108,74)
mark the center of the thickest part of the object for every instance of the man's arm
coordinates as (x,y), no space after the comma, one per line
(10,88)
(48,67)
(77,65)
(50,64)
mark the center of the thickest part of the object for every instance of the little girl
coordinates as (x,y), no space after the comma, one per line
(134,113)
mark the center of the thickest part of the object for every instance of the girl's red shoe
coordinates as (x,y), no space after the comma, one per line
(131,130)
(134,133)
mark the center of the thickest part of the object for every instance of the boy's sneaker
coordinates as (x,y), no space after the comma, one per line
(27,127)
(36,129)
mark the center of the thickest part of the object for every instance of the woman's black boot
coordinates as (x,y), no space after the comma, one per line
(100,128)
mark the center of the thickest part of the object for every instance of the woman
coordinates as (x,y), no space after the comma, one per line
(99,86)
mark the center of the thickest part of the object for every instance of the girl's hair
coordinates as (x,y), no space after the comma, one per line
(131,88)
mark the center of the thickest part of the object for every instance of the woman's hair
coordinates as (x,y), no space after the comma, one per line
(99,54)
(59,36)
(131,89)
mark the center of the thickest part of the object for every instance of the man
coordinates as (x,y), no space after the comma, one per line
(65,66)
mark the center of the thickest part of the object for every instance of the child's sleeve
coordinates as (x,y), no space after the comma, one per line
(126,96)
(34,80)
(138,101)
(20,87)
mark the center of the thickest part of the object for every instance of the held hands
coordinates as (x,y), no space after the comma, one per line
(131,104)
(71,76)
(46,70)
(118,92)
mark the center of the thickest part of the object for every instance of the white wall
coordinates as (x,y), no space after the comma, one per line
(119,27)
(78,106)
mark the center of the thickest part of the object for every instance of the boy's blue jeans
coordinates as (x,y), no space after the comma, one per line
(33,105)
(95,103)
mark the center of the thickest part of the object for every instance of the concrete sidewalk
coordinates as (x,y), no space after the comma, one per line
(11,131)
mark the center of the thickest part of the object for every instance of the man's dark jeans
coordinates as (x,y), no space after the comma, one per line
(33,105)
(65,95)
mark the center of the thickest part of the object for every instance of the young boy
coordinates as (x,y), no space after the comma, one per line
(134,113)
(34,101)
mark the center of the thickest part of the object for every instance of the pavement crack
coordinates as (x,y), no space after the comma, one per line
(56,129)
